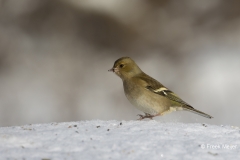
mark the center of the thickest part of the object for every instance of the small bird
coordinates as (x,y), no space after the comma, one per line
(146,93)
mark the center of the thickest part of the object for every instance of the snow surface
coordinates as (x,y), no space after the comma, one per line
(92,140)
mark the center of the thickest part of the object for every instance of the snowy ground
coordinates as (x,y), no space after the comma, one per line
(91,140)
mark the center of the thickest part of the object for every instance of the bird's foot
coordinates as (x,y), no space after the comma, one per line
(141,117)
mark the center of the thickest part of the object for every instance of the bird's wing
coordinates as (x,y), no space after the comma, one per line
(163,91)
(157,88)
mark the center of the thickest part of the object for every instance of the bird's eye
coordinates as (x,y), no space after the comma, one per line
(121,65)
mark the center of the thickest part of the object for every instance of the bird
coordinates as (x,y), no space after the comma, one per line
(147,94)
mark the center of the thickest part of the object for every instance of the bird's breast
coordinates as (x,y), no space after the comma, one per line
(143,99)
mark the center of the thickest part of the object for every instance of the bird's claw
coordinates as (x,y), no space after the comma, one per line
(141,117)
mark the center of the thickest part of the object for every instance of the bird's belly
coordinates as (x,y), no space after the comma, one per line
(145,100)
(147,105)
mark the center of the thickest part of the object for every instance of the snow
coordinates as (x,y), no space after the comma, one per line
(96,139)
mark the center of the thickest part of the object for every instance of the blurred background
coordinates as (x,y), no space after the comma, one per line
(54,57)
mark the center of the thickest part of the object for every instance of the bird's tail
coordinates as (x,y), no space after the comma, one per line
(197,112)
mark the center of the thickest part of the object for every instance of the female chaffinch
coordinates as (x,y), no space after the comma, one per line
(146,93)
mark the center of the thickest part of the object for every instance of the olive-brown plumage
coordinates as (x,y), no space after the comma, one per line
(146,93)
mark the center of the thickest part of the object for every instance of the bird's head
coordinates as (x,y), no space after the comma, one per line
(125,68)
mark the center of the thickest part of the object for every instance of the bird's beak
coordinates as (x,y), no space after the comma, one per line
(111,70)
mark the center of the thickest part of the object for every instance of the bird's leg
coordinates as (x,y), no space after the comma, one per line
(145,116)
(140,117)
